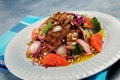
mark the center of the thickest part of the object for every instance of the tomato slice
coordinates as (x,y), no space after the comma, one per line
(34,34)
(88,23)
(54,60)
(96,41)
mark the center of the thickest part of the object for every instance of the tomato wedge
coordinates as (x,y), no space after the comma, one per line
(34,34)
(88,23)
(96,41)
(54,60)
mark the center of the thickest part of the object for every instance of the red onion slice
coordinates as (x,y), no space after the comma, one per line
(83,32)
(78,21)
(62,50)
(41,38)
(85,45)
(34,47)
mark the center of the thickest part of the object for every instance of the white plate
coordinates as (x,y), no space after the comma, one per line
(17,63)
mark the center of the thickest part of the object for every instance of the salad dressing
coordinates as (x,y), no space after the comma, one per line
(83,58)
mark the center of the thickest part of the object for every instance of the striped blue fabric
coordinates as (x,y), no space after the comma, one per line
(7,37)
(99,76)
(18,27)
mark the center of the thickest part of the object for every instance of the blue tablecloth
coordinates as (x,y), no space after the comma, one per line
(7,37)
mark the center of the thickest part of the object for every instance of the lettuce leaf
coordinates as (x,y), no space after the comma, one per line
(96,25)
(78,50)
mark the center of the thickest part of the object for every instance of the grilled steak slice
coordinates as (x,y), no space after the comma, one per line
(54,39)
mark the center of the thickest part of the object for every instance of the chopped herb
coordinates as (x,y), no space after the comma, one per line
(47,27)
(96,25)
(78,50)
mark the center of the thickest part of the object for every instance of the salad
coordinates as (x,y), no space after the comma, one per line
(64,38)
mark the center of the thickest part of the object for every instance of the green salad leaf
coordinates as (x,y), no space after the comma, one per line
(47,27)
(78,50)
(96,25)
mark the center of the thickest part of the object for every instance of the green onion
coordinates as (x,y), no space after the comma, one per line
(46,28)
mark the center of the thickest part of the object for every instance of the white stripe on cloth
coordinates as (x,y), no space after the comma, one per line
(24,23)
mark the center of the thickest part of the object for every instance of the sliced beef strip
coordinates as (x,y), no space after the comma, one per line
(54,39)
